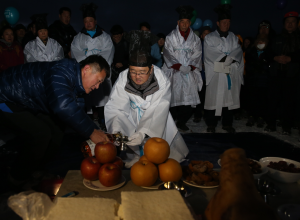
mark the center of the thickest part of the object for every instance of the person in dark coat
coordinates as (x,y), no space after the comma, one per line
(259,58)
(19,31)
(121,56)
(38,99)
(11,53)
(31,32)
(62,31)
(284,75)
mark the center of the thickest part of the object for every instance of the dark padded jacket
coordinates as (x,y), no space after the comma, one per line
(63,34)
(53,88)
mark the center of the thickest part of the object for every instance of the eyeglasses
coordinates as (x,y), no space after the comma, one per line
(140,73)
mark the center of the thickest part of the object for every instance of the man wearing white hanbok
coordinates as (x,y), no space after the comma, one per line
(139,106)
(43,48)
(224,66)
(92,40)
(182,55)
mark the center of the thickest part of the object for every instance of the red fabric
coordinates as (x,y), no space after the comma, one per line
(185,34)
(176,66)
(10,56)
(291,14)
(193,67)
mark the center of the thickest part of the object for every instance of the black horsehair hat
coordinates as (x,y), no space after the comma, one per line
(40,21)
(88,10)
(223,11)
(185,12)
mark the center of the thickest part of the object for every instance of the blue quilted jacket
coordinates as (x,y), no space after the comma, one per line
(51,88)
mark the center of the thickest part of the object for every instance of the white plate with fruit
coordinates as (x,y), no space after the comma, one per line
(104,171)
(96,185)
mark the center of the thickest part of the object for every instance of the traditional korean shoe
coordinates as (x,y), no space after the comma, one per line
(197,120)
(182,126)
(260,122)
(250,121)
(211,129)
(270,128)
(229,129)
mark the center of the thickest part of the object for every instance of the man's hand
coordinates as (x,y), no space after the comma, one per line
(282,59)
(98,136)
(69,54)
(119,65)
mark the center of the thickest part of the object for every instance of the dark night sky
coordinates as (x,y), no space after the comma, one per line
(246,14)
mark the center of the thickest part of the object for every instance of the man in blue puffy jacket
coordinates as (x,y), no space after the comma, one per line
(37,99)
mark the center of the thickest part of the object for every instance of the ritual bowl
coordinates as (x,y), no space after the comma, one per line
(281,176)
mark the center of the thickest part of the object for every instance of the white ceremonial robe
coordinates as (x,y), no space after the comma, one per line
(185,87)
(37,51)
(129,113)
(218,94)
(83,46)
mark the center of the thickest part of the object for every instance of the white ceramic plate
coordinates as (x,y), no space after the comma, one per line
(258,175)
(155,185)
(96,185)
(199,186)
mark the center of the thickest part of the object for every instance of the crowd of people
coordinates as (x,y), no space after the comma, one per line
(148,82)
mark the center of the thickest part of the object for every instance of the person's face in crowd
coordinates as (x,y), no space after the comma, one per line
(204,33)
(184,24)
(43,34)
(261,42)
(33,29)
(290,24)
(161,42)
(91,78)
(143,28)
(8,36)
(90,23)
(140,75)
(20,33)
(65,17)
(224,25)
(264,30)
(246,43)
(117,38)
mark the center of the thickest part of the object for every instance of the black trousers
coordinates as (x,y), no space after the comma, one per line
(212,120)
(200,108)
(41,137)
(182,113)
(257,101)
(282,91)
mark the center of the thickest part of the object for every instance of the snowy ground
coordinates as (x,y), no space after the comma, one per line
(240,126)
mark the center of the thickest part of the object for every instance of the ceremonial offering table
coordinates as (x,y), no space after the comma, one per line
(198,200)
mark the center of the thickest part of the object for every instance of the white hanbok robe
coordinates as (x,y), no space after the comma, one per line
(84,45)
(185,87)
(129,113)
(37,51)
(218,94)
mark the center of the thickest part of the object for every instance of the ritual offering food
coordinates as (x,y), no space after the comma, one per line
(84,208)
(170,171)
(105,152)
(157,150)
(158,205)
(237,197)
(201,173)
(110,174)
(144,173)
(254,166)
(283,166)
(89,168)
